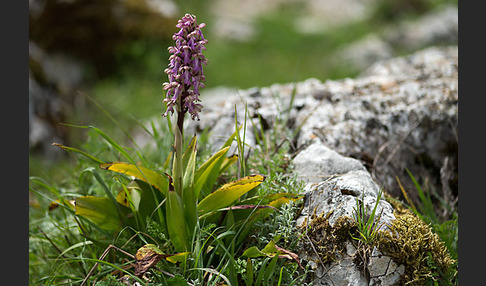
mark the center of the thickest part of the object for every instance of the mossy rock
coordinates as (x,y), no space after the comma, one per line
(408,241)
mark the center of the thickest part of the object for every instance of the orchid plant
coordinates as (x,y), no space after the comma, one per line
(183,201)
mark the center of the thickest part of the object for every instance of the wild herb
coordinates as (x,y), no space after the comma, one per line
(171,216)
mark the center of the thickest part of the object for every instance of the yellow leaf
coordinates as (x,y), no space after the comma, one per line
(149,176)
(179,257)
(228,193)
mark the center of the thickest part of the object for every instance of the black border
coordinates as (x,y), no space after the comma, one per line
(14,25)
(472,202)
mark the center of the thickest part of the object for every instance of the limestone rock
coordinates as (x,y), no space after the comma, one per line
(337,195)
(342,181)
(354,137)
(439,26)
(383,270)
(364,52)
(398,114)
(343,271)
(317,162)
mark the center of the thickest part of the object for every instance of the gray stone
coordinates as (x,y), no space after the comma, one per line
(339,194)
(317,162)
(383,270)
(364,52)
(439,26)
(400,113)
(343,272)
(320,16)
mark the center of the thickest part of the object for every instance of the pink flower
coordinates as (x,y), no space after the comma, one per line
(185,71)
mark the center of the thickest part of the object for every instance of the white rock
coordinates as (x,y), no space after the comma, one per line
(317,162)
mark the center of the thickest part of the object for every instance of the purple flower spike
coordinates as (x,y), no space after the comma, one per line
(185,70)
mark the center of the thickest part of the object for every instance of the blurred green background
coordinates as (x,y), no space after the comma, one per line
(121,53)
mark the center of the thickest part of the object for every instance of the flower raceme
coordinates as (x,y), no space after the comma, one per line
(185,70)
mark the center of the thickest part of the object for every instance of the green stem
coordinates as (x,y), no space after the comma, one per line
(177,170)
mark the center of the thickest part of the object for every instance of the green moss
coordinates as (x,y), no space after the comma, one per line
(411,242)
(328,240)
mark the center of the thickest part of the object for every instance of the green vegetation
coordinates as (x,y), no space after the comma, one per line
(248,240)
(97,212)
(367,223)
(413,243)
(155,219)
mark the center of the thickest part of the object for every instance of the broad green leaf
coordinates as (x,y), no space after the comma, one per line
(209,171)
(151,203)
(190,152)
(189,161)
(189,198)
(278,203)
(176,222)
(270,249)
(207,174)
(149,176)
(228,193)
(253,252)
(101,211)
(267,199)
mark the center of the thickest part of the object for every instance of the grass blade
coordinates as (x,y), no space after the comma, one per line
(71,149)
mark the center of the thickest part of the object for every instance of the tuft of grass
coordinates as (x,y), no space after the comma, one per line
(367,223)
